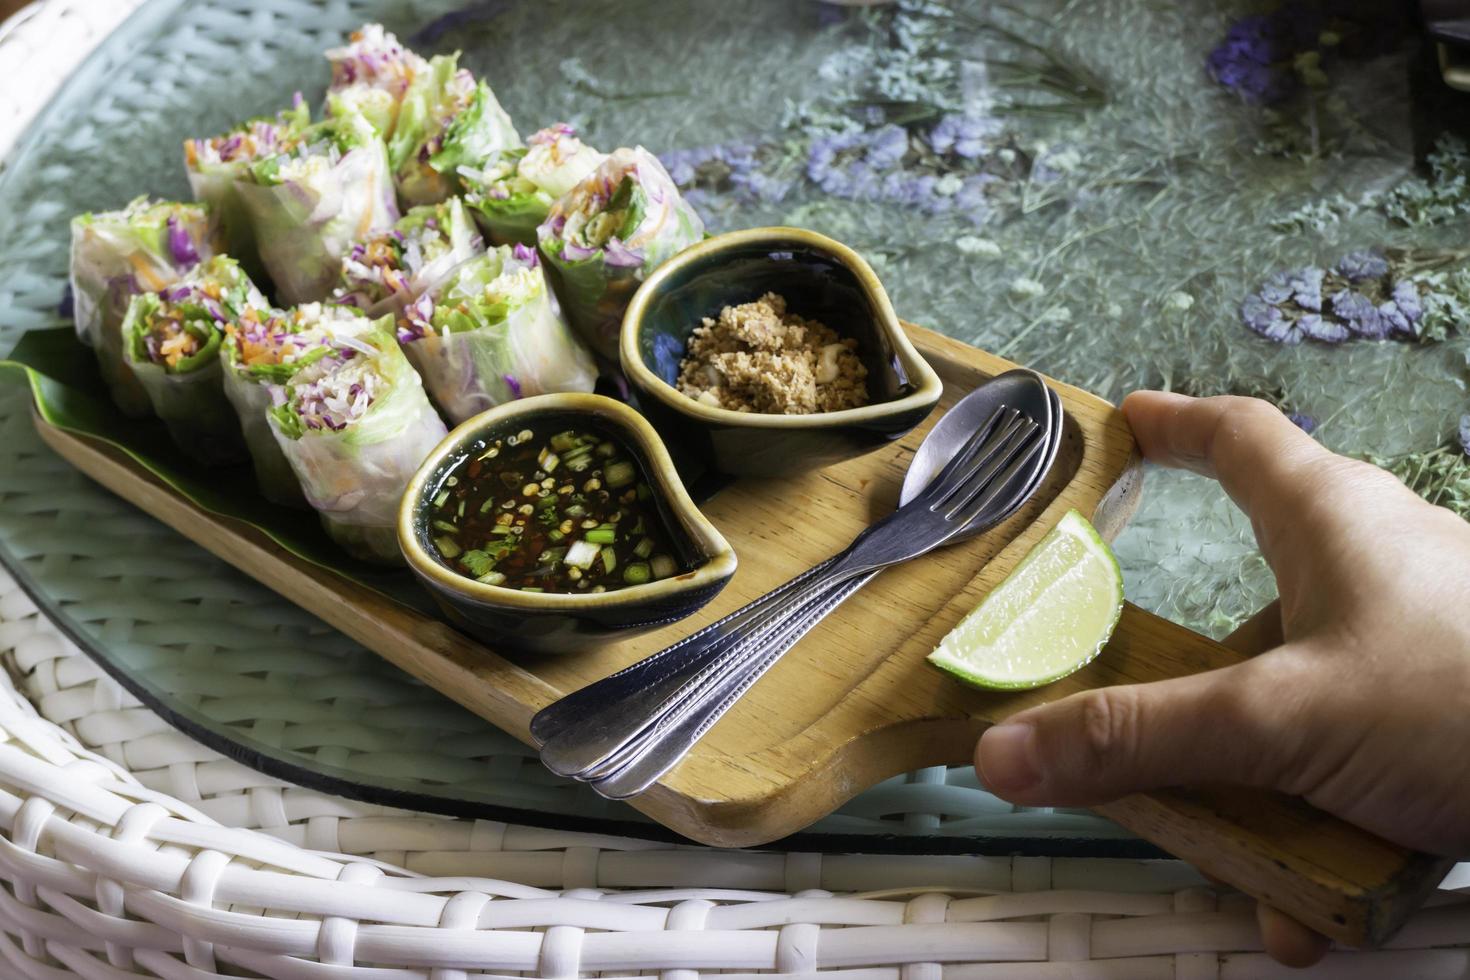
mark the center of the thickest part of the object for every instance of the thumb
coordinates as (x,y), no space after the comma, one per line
(1098,745)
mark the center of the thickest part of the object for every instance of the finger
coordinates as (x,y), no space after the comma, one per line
(1099,745)
(1287,941)
(1256,453)
(1258,634)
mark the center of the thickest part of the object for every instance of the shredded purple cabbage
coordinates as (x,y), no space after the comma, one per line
(620,256)
(181,245)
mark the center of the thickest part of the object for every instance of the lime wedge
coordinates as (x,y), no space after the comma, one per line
(1049,617)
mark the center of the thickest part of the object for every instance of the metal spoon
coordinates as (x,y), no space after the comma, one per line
(584,732)
(635,766)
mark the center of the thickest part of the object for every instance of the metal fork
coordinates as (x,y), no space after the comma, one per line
(658,748)
(596,731)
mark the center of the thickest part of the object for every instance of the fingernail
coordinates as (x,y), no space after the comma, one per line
(1007,758)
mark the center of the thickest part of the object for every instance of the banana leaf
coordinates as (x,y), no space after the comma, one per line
(68,393)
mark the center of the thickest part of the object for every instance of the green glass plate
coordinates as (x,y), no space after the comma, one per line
(1122,208)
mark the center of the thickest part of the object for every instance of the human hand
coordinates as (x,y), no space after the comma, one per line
(1359,704)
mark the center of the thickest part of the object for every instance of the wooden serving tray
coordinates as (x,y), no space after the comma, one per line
(854,703)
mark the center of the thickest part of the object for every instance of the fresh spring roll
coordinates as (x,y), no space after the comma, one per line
(262,351)
(355,425)
(513,193)
(370,75)
(173,340)
(491,333)
(327,187)
(604,237)
(215,164)
(115,255)
(448,120)
(387,271)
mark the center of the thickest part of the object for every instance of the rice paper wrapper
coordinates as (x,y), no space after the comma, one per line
(386,272)
(371,74)
(447,121)
(606,235)
(354,476)
(215,166)
(307,210)
(199,418)
(252,403)
(186,388)
(259,357)
(494,335)
(513,194)
(117,255)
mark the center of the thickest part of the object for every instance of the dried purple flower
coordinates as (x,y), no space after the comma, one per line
(1266,319)
(1303,421)
(1254,60)
(1316,327)
(1360,315)
(1363,264)
(967,136)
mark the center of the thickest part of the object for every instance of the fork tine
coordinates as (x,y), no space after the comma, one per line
(979,492)
(991,456)
(980,447)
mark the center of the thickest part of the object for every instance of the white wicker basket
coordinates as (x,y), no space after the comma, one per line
(130,851)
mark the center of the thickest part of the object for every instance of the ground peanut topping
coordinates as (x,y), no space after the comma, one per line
(758,358)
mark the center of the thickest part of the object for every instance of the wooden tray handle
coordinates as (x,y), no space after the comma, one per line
(1340,880)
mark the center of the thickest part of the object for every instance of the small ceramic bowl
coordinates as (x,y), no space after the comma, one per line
(822,280)
(556,622)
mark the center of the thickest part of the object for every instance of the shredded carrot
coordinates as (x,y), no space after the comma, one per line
(147,274)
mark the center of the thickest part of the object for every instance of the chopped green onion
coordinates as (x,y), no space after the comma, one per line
(643,548)
(447,547)
(548,460)
(547,501)
(606,449)
(491,578)
(531,588)
(663,566)
(564,441)
(601,535)
(478,562)
(576,510)
(446,526)
(637,573)
(620,474)
(555,534)
(443,496)
(609,560)
(505,529)
(550,555)
(461,508)
(485,507)
(582,554)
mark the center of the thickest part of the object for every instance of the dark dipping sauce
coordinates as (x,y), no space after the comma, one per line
(561,510)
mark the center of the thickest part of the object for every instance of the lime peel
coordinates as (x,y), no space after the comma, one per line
(1049,617)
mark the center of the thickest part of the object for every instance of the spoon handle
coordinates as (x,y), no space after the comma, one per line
(581,729)
(639,764)
(585,734)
